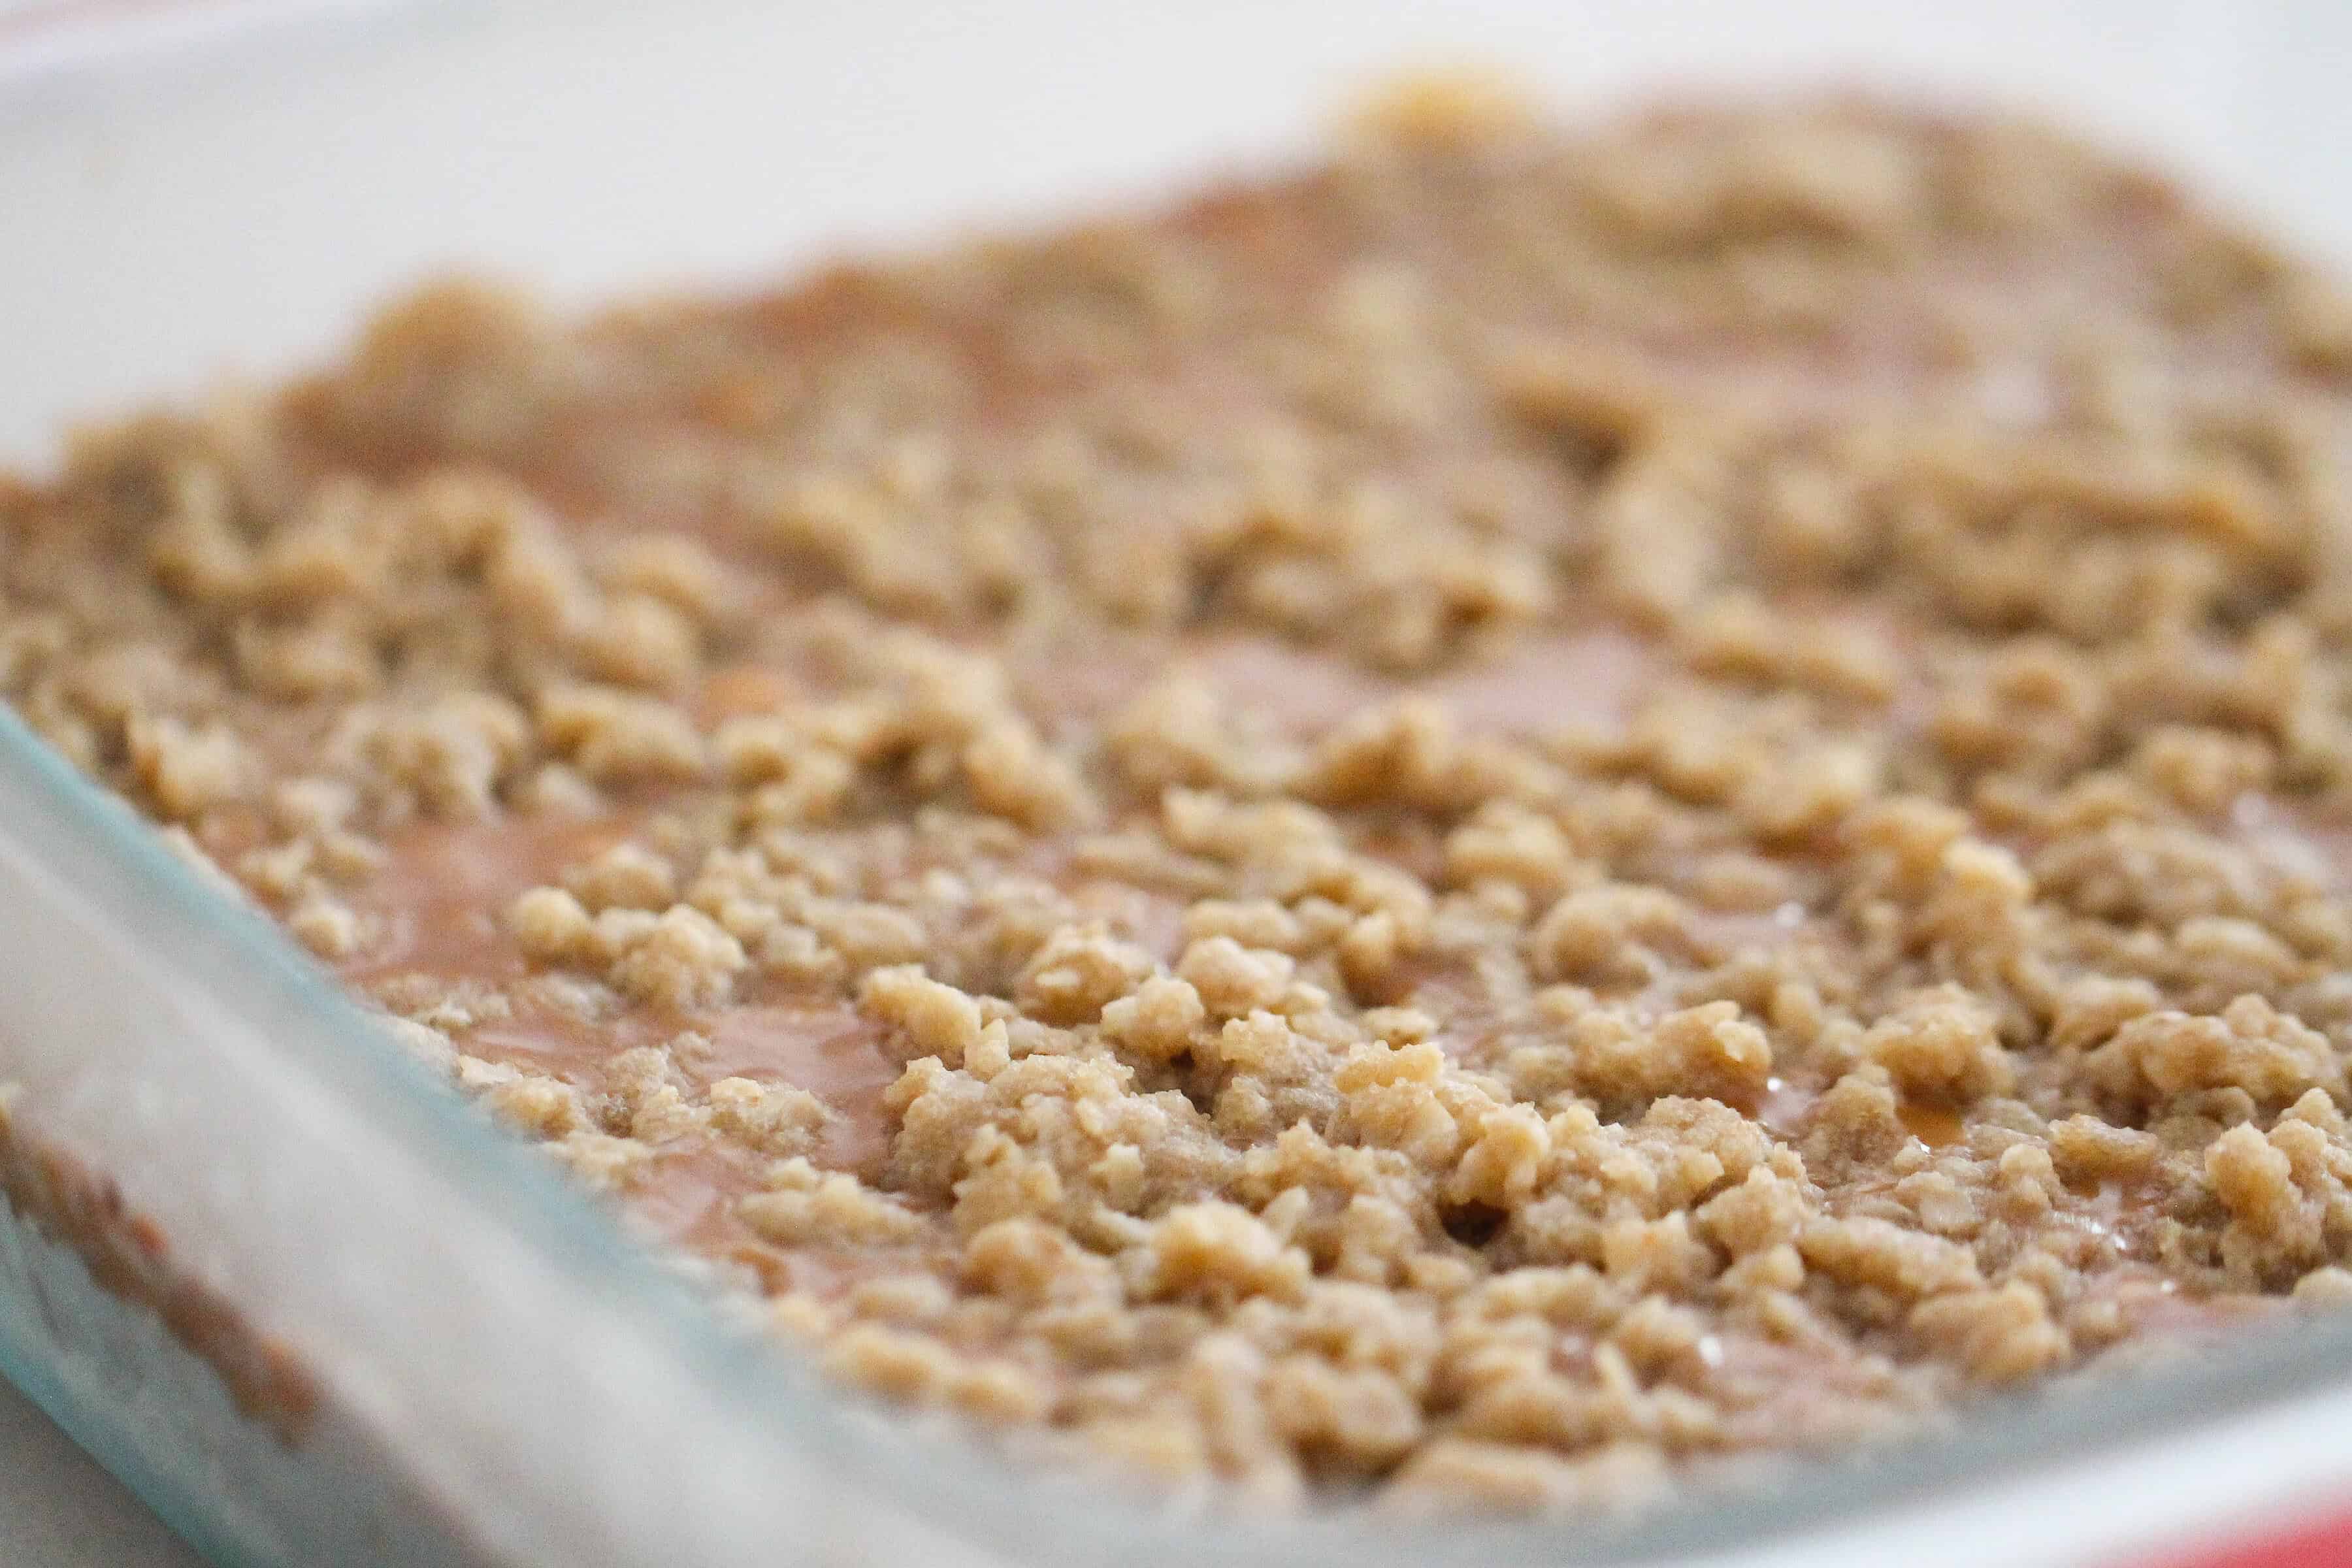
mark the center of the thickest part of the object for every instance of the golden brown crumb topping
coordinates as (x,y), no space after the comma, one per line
(1491,821)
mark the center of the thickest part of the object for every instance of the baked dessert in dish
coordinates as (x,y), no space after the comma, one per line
(1489,822)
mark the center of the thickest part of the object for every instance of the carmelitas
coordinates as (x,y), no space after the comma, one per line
(1485,822)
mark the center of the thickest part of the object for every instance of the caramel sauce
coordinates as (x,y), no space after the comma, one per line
(828,1050)
(1543,682)
(1784,1107)
(1937,1126)
(442,899)
(445,889)
(739,689)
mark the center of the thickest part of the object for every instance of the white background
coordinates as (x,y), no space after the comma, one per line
(181,232)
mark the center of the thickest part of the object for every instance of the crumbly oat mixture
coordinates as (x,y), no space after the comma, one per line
(1489,822)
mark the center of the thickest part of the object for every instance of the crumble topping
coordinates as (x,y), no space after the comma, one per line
(1494,822)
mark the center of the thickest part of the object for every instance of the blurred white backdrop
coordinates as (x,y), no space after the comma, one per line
(177,212)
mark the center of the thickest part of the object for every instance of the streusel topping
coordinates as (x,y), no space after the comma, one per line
(1518,813)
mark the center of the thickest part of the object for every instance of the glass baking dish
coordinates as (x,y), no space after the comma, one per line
(311,1307)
